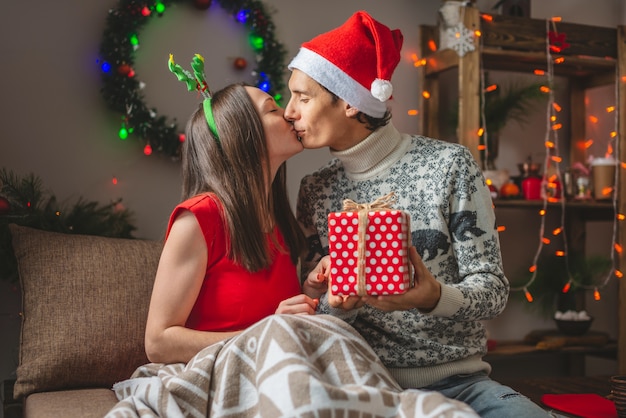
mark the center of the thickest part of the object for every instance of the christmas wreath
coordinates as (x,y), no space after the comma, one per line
(121,88)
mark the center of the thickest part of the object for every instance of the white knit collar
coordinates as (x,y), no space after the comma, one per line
(381,149)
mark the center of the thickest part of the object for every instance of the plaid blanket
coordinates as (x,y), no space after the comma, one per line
(283,366)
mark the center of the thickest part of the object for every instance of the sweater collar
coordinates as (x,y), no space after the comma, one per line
(378,151)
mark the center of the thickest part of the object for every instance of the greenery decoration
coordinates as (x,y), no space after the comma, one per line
(24,202)
(512,102)
(121,88)
(554,273)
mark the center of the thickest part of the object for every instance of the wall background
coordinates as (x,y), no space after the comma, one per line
(55,124)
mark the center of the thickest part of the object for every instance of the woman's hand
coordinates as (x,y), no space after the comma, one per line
(316,283)
(344,302)
(424,295)
(299,304)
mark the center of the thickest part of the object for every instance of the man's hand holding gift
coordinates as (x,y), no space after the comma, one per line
(424,295)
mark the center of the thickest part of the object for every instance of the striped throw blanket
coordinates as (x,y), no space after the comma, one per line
(283,366)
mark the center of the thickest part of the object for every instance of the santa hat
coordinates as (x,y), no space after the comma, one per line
(354,61)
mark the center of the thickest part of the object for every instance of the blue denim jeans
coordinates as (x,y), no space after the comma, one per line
(488,398)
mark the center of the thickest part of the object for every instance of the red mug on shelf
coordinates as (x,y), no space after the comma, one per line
(531,188)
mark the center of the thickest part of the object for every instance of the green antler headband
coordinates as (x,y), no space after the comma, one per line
(197,82)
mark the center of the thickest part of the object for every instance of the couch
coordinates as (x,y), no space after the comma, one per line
(85,301)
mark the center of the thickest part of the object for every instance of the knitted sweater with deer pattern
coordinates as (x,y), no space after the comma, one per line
(453,228)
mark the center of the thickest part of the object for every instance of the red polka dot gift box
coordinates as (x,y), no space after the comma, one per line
(369,249)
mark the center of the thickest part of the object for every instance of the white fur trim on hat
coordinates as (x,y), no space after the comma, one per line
(334,79)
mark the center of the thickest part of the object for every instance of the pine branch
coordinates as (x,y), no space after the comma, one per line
(511,103)
(29,205)
(552,276)
(514,103)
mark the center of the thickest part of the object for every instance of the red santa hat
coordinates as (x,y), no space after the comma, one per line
(354,61)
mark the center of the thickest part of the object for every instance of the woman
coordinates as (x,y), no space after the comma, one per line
(232,245)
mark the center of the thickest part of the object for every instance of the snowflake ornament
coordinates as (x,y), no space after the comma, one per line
(460,39)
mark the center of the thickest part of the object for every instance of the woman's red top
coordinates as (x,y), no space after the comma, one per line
(232,298)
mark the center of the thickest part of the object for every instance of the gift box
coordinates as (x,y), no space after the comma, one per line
(369,250)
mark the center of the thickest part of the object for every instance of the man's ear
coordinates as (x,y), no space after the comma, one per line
(351,111)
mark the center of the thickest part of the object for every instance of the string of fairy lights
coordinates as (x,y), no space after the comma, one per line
(553,157)
(552,178)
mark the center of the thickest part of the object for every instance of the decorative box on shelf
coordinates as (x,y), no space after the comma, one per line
(369,248)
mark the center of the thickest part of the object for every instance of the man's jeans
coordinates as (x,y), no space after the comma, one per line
(488,398)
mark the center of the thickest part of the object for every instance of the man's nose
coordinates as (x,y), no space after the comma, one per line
(289,112)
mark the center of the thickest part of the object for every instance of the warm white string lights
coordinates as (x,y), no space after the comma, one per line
(553,158)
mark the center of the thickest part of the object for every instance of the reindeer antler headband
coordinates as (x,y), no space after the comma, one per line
(197,81)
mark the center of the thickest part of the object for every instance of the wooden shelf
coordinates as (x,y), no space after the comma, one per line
(574,204)
(599,71)
(529,359)
(594,56)
(511,43)
(586,210)
(608,350)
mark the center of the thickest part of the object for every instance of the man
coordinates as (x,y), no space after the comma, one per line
(431,336)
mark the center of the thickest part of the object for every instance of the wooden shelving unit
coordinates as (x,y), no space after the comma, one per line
(596,56)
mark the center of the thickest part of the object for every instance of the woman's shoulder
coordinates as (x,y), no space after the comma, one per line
(206,208)
(205,202)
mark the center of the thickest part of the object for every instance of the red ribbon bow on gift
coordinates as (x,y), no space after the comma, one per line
(382,203)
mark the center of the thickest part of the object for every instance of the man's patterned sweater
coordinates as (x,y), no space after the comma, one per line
(454,230)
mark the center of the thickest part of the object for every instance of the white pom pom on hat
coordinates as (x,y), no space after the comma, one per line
(354,61)
(381,89)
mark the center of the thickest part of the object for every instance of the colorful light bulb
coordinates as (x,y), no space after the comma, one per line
(123,133)
(242,16)
(265,86)
(256,41)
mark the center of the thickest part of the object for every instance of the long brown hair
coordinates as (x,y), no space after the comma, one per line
(236,169)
